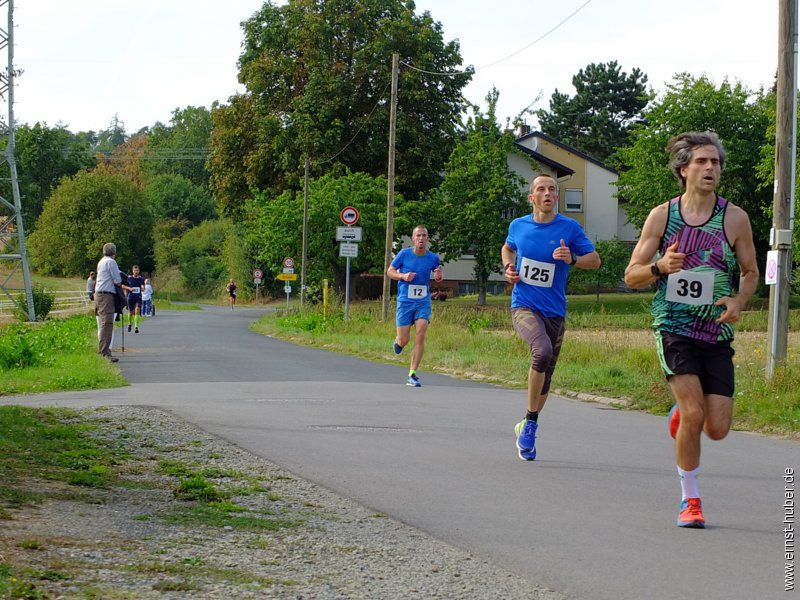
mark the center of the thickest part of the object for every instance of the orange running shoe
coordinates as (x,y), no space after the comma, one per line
(674,419)
(691,514)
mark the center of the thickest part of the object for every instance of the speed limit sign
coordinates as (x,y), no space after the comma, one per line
(258,274)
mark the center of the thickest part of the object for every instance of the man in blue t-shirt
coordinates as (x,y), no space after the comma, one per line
(539,252)
(136,283)
(412,268)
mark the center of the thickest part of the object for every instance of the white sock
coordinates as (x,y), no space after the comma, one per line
(689,483)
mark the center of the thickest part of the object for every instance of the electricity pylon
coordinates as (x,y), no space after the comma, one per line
(13,254)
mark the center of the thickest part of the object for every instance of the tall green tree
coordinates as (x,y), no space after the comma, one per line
(175,197)
(44,155)
(82,214)
(274,229)
(741,119)
(181,148)
(596,119)
(317,75)
(480,195)
(199,257)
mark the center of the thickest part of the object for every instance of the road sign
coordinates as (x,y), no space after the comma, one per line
(258,274)
(287,288)
(288,270)
(288,262)
(257,280)
(287,277)
(348,234)
(771,272)
(349,215)
(348,249)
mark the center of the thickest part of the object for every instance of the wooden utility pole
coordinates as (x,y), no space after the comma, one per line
(305,236)
(387,257)
(783,201)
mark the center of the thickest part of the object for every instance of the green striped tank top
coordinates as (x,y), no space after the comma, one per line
(684,301)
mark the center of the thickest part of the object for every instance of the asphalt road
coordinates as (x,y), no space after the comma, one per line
(593,517)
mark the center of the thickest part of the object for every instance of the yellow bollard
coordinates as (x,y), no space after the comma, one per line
(324,298)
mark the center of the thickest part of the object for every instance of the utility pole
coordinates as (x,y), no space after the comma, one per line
(387,258)
(305,236)
(12,231)
(783,201)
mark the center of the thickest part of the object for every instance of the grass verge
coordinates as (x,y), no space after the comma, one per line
(608,351)
(55,355)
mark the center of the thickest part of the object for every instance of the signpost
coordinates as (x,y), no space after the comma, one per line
(258,275)
(287,276)
(348,235)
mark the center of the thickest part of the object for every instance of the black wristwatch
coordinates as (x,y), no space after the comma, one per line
(655,270)
(573,257)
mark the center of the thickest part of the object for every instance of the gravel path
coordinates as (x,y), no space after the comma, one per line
(138,540)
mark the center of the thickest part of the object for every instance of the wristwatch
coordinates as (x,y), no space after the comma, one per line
(655,270)
(573,257)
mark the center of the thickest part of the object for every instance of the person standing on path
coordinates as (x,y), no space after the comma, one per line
(147,299)
(90,283)
(412,268)
(539,252)
(109,279)
(690,247)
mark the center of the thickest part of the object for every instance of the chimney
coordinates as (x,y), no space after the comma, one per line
(524,130)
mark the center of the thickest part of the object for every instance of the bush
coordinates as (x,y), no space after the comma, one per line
(43,301)
(18,352)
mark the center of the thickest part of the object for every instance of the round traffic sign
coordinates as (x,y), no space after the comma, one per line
(288,262)
(258,274)
(349,215)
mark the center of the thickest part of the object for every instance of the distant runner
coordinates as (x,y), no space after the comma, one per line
(412,268)
(231,289)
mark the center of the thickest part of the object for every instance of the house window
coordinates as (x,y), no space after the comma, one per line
(573,200)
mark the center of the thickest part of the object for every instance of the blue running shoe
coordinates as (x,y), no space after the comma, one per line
(413,380)
(397,348)
(526,439)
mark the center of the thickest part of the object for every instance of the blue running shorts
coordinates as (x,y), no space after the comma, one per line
(409,312)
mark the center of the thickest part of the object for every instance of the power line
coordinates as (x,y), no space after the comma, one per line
(492,64)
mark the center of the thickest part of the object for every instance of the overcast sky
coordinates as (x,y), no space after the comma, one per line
(87,60)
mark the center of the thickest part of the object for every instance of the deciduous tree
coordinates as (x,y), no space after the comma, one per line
(317,75)
(44,155)
(175,197)
(82,214)
(480,195)
(274,229)
(181,148)
(738,115)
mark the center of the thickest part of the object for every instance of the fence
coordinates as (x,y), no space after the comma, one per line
(66,302)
